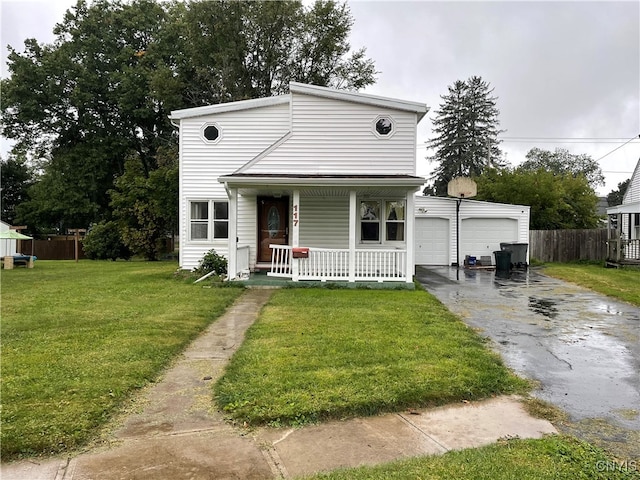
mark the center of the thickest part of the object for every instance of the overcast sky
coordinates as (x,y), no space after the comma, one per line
(566,74)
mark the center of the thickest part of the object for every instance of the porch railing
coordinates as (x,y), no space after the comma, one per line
(325,264)
(621,249)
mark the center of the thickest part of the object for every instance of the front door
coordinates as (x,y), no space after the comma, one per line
(273,225)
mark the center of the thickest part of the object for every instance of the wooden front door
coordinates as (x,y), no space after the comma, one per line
(273,225)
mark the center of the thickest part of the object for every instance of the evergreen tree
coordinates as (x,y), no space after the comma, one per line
(616,196)
(466,128)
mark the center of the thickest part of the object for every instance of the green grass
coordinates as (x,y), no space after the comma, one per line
(549,458)
(79,338)
(621,283)
(317,354)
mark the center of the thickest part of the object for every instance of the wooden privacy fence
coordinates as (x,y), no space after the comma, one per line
(568,245)
(52,249)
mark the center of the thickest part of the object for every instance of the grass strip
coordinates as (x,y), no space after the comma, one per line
(318,354)
(620,283)
(79,338)
(549,458)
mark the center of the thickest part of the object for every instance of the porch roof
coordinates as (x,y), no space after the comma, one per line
(624,208)
(321,184)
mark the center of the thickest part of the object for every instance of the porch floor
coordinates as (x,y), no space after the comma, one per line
(261,279)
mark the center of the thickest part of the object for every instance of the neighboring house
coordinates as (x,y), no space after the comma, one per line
(7,246)
(625,246)
(317,184)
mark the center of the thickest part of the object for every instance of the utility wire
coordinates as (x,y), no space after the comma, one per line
(617,148)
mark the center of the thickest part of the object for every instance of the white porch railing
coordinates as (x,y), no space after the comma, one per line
(325,264)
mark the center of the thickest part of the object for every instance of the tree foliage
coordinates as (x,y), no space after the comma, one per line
(102,92)
(104,242)
(562,162)
(145,207)
(466,128)
(557,201)
(16,179)
(616,196)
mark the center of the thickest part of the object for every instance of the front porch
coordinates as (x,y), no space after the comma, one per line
(623,244)
(345,229)
(324,264)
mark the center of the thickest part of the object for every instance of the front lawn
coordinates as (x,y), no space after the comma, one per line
(621,283)
(78,338)
(549,458)
(316,354)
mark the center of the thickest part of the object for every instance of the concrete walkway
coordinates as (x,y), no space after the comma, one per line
(177,434)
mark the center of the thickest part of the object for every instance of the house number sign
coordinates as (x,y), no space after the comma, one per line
(296,217)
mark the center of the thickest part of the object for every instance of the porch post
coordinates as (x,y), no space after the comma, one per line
(295,230)
(353,212)
(232,270)
(410,218)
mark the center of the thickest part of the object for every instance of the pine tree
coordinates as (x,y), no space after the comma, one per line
(467,132)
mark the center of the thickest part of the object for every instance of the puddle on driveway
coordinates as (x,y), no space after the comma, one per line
(582,347)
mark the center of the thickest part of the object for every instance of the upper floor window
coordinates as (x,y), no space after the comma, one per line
(211,133)
(208,219)
(384,126)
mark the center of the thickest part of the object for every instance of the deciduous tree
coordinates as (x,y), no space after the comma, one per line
(557,201)
(103,90)
(561,161)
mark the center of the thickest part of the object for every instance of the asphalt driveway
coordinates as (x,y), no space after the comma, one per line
(582,347)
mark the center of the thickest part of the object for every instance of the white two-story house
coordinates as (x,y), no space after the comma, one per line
(317,184)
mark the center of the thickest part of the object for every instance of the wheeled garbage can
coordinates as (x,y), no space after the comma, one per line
(503,260)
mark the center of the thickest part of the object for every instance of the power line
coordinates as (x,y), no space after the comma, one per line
(617,148)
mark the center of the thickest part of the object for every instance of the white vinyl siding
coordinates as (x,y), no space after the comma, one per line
(478,222)
(245,133)
(336,137)
(324,222)
(632,194)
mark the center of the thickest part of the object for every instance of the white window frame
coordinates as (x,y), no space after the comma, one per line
(382,221)
(375,130)
(211,124)
(209,221)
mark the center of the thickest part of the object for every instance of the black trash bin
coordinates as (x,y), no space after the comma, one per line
(503,260)
(518,252)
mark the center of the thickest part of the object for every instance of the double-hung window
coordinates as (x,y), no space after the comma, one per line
(378,217)
(208,220)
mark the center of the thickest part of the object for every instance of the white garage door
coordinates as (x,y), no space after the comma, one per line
(432,241)
(482,236)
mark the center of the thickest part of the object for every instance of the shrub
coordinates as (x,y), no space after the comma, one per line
(212,262)
(104,242)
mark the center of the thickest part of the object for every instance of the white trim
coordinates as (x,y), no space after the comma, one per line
(329,180)
(207,125)
(374,127)
(211,238)
(624,208)
(420,108)
(264,153)
(229,107)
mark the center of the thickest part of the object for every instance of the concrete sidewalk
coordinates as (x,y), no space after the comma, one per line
(178,435)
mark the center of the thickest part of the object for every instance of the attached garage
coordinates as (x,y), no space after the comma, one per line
(482,236)
(432,241)
(483,226)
